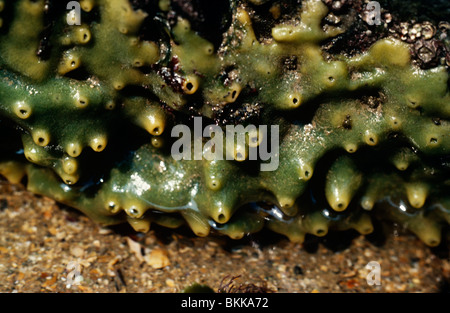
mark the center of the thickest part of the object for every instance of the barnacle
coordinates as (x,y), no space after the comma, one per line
(89,114)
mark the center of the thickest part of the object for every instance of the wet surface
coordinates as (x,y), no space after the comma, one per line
(46,247)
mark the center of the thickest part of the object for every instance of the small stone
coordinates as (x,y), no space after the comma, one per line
(52,230)
(113,262)
(349,274)
(157,258)
(49,281)
(61,235)
(76,251)
(20,276)
(324,268)
(388,17)
(135,247)
(104,231)
(402,287)
(170,282)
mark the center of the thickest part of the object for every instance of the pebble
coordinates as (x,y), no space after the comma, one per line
(60,235)
(104,231)
(170,282)
(76,251)
(135,248)
(157,258)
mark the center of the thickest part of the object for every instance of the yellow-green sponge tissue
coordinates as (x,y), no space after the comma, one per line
(95,95)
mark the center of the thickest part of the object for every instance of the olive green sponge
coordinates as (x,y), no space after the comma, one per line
(360,137)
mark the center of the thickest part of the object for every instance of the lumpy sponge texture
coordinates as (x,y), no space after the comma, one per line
(87,113)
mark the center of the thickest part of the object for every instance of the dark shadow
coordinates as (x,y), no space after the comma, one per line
(206,17)
(442,251)
(444,285)
(378,236)
(311,243)
(339,240)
